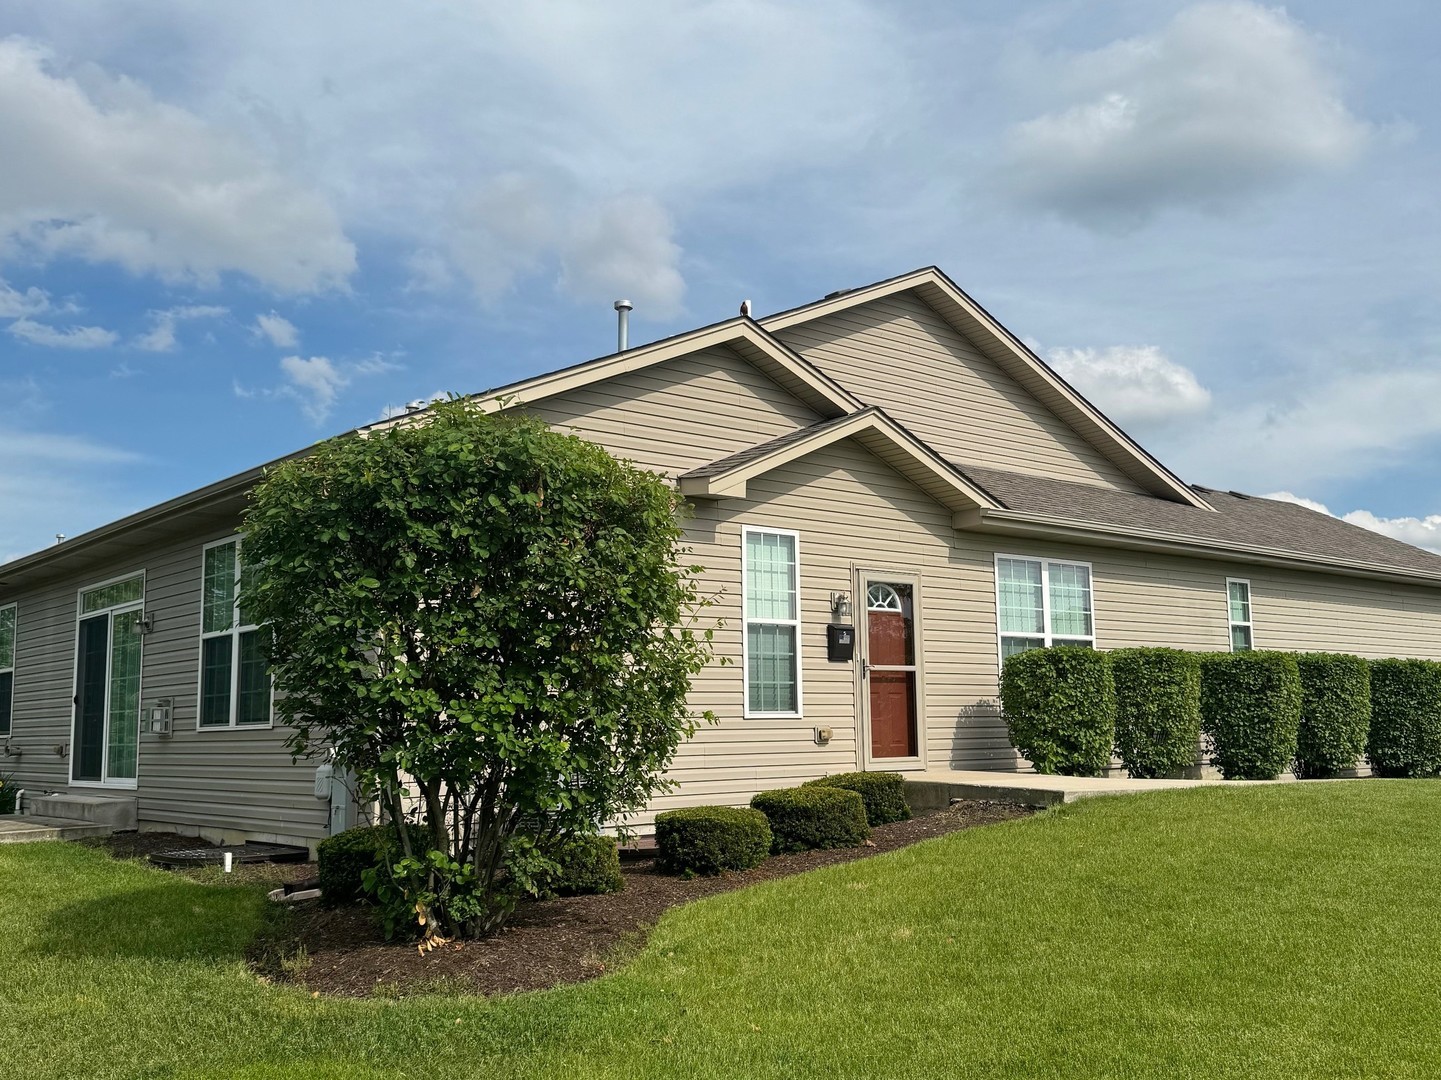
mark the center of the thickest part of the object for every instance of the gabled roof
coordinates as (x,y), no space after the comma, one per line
(971,320)
(1237,526)
(742,335)
(870,427)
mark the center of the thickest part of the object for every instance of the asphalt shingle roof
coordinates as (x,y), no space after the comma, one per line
(1240,520)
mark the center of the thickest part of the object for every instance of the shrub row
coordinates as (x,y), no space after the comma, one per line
(1067,708)
(834,811)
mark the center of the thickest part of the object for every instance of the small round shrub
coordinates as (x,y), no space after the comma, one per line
(802,818)
(711,839)
(344,857)
(1251,710)
(588,866)
(1335,713)
(1060,709)
(1405,736)
(1158,709)
(883,793)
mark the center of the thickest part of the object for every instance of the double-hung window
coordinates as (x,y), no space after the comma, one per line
(7,667)
(771,588)
(1040,602)
(1238,597)
(234,675)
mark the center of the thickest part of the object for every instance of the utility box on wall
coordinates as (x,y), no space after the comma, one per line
(840,643)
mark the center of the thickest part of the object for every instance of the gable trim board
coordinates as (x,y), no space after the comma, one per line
(976,324)
(756,434)
(870,427)
(743,335)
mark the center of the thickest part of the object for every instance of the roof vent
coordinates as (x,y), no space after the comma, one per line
(623,309)
(838,292)
(1238,494)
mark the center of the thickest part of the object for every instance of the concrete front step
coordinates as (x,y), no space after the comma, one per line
(28,827)
(118,812)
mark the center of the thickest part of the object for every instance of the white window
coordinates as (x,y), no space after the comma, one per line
(1238,597)
(7,667)
(234,675)
(770,582)
(1041,603)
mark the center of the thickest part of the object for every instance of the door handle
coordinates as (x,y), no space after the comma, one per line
(865,668)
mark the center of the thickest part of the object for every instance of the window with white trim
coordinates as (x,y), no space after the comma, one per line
(1040,602)
(771,586)
(7,667)
(1238,599)
(234,674)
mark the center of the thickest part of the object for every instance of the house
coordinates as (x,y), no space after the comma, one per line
(889,459)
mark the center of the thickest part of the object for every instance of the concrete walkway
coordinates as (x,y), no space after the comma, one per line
(23,828)
(937,787)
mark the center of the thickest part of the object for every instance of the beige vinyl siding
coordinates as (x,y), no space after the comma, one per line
(680,414)
(899,354)
(221,781)
(1143,600)
(852,512)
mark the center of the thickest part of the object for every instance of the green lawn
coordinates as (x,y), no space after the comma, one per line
(1277,931)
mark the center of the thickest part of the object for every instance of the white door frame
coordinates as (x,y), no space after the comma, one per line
(130,608)
(864,578)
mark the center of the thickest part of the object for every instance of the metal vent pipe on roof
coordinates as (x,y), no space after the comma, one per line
(623,309)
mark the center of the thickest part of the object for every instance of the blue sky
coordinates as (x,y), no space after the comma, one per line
(229,230)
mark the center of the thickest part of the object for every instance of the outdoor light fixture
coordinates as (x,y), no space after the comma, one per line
(841,605)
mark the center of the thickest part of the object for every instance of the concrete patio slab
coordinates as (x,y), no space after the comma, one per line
(937,787)
(24,828)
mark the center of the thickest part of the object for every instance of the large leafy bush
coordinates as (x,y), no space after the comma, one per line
(1335,713)
(1060,709)
(1158,709)
(489,616)
(1251,710)
(1405,735)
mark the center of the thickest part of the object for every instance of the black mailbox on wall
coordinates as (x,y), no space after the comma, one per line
(840,643)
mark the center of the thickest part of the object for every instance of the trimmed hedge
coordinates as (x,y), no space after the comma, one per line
(1060,709)
(1251,711)
(1405,735)
(803,818)
(1158,709)
(883,793)
(342,858)
(1335,713)
(710,839)
(589,866)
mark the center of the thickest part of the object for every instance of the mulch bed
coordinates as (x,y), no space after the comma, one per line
(546,943)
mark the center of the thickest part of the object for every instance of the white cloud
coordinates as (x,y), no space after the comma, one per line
(71,337)
(1227,100)
(97,168)
(624,247)
(277,330)
(316,382)
(517,225)
(1420,532)
(161,335)
(1133,384)
(53,483)
(15,304)
(1332,427)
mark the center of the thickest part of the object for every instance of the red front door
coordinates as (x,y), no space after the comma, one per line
(891,668)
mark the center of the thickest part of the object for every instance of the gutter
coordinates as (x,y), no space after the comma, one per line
(1043,526)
